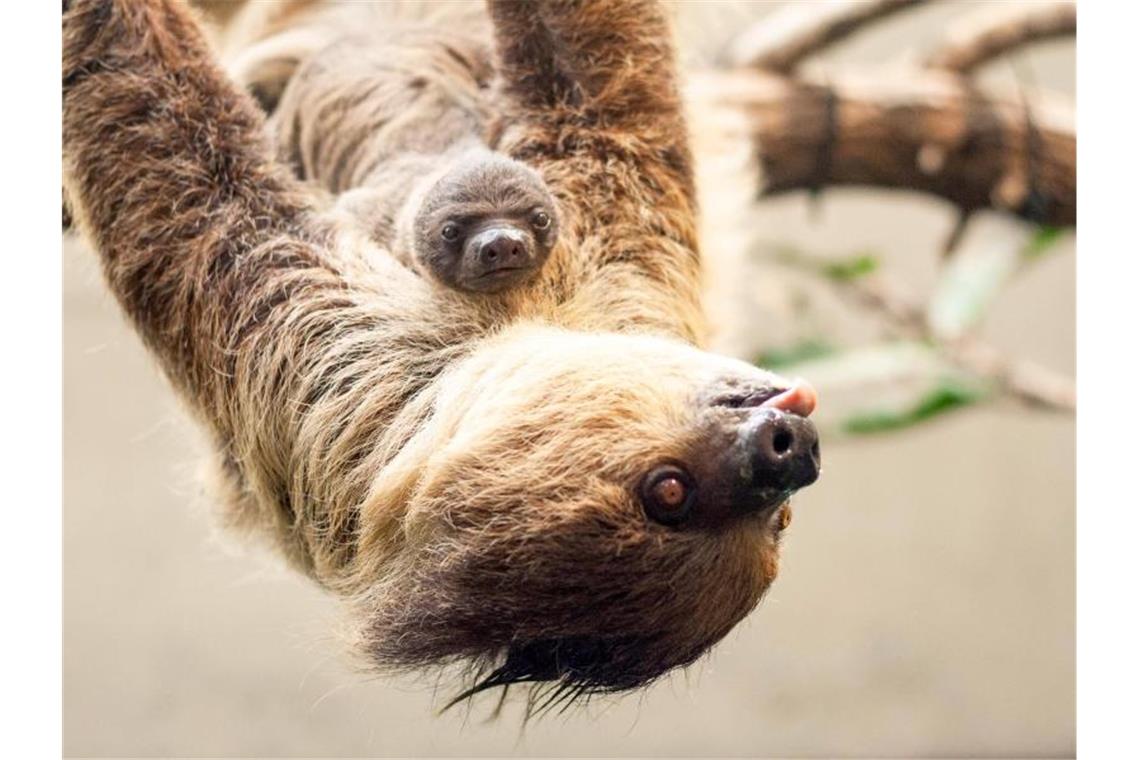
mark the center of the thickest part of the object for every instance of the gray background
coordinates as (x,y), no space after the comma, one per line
(925,605)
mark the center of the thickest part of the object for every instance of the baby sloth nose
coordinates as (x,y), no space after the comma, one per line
(502,250)
(784,451)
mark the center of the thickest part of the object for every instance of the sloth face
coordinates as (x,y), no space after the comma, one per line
(485,226)
(595,510)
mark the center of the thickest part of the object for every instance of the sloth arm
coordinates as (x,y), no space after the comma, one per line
(295,354)
(608,63)
(588,95)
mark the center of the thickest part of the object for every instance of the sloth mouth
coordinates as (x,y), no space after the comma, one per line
(746,399)
(502,271)
(798,398)
(571,667)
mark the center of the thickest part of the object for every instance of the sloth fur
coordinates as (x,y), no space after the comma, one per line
(464,474)
(392,123)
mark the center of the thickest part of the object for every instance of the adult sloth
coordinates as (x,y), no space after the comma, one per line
(565,490)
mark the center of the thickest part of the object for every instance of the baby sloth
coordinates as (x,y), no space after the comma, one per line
(392,124)
(486,225)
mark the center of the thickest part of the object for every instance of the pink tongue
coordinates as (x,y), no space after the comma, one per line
(800,399)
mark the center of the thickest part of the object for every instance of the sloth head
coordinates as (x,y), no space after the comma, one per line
(486,225)
(592,510)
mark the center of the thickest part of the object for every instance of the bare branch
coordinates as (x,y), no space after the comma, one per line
(1028,382)
(957,232)
(928,133)
(1025,381)
(994,36)
(906,315)
(784,38)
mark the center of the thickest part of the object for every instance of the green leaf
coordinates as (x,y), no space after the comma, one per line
(844,270)
(1043,239)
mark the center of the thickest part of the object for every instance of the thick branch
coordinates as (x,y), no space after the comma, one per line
(781,40)
(929,133)
(992,37)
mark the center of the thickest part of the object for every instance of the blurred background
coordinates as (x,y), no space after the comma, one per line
(926,600)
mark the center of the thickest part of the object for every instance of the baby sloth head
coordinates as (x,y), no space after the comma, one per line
(592,510)
(486,225)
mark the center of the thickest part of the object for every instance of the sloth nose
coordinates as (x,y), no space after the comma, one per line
(784,450)
(775,454)
(763,447)
(501,251)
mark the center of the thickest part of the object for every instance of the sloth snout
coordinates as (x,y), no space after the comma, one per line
(775,454)
(500,250)
(784,451)
(764,449)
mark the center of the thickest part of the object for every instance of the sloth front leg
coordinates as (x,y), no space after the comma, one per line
(167,173)
(608,62)
(295,361)
(589,97)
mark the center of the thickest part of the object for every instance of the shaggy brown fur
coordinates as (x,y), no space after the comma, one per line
(373,103)
(622,172)
(475,480)
(393,122)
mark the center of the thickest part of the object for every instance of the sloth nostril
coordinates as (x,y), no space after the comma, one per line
(783,455)
(502,253)
(782,441)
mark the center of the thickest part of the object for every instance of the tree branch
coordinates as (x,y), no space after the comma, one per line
(1025,381)
(994,36)
(928,133)
(784,38)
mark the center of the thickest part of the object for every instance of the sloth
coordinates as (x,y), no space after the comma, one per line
(436,198)
(569,493)
(482,224)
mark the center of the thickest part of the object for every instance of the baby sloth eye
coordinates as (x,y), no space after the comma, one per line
(450,232)
(667,494)
(541,220)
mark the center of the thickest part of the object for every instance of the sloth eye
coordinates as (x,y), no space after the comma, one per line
(450,232)
(541,220)
(667,494)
